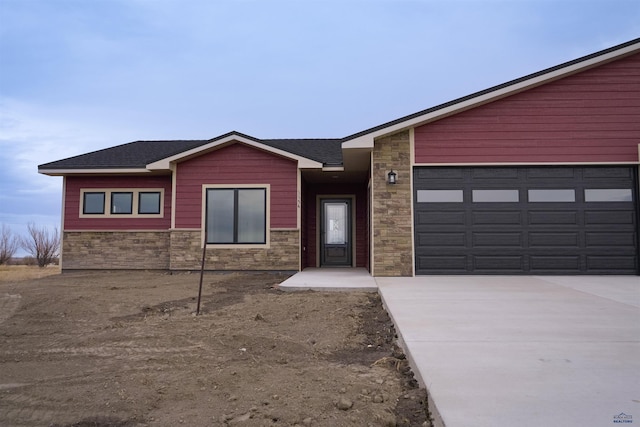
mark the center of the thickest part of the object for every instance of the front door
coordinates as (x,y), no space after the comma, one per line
(335,233)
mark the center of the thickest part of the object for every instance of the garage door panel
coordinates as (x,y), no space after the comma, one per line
(553,218)
(496,263)
(496,217)
(625,174)
(495,173)
(442,263)
(426,239)
(537,232)
(492,239)
(550,173)
(567,263)
(626,239)
(441,218)
(600,263)
(546,240)
(609,217)
(440,173)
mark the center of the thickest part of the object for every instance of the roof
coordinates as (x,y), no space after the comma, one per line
(492,93)
(145,155)
(140,154)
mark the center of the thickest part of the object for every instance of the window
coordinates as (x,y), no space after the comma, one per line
(149,202)
(122,203)
(608,195)
(552,195)
(106,203)
(236,215)
(484,196)
(93,203)
(439,196)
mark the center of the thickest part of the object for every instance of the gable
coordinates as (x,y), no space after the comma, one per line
(236,164)
(593,116)
(365,139)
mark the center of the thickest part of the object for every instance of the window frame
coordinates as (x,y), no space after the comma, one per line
(83,200)
(112,205)
(159,210)
(267,214)
(108,204)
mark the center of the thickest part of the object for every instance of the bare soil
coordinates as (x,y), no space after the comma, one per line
(126,349)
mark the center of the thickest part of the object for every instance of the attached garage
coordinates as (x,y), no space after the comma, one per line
(526,220)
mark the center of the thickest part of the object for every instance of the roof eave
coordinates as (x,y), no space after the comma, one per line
(366,139)
(92,171)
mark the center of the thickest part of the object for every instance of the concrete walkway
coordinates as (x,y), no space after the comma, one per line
(519,350)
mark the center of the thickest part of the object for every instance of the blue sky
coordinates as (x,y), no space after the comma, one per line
(81,75)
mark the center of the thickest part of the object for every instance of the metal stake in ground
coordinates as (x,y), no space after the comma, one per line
(204,257)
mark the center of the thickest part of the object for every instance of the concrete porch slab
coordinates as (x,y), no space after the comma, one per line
(331,279)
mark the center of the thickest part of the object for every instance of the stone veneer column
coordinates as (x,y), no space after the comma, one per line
(391,222)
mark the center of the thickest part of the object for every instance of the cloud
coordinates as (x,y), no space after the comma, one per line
(31,135)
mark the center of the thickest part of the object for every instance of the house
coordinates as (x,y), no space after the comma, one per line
(535,176)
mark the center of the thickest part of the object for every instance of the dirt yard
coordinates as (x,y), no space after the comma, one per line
(126,349)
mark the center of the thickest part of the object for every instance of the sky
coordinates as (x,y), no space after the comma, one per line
(81,75)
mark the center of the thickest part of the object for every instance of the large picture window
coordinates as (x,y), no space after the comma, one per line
(236,215)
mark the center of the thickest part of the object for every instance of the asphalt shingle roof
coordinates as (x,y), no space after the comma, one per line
(138,154)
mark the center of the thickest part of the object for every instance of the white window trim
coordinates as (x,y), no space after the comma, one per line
(107,202)
(203,232)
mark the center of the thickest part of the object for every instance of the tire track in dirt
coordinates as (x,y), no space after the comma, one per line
(117,352)
(9,304)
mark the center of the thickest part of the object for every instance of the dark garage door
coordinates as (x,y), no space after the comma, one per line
(526,220)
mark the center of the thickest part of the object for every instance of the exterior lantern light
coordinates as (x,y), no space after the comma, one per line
(392,177)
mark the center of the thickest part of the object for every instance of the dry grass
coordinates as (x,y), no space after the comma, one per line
(17,273)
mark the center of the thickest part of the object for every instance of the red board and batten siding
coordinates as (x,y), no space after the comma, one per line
(73,221)
(233,165)
(593,116)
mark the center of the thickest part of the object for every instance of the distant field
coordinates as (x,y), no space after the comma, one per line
(13,273)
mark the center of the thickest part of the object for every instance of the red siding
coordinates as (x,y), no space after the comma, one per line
(237,164)
(74,184)
(310,214)
(593,116)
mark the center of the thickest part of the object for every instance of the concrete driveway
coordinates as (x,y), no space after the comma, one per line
(522,350)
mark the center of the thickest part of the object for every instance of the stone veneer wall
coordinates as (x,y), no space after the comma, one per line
(392,230)
(113,250)
(186,253)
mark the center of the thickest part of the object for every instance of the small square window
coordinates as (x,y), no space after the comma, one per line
(149,202)
(121,203)
(93,203)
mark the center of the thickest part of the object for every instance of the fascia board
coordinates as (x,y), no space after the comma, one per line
(63,172)
(164,164)
(367,140)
